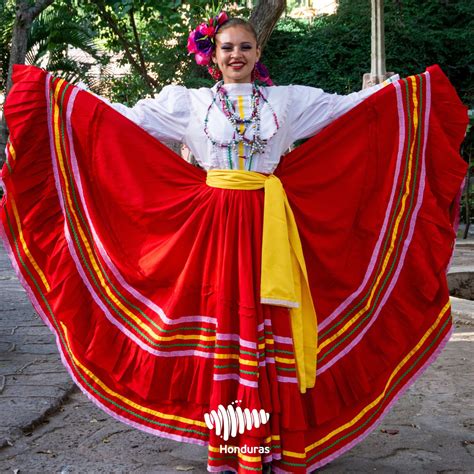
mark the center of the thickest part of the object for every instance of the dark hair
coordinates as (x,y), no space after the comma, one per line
(239,22)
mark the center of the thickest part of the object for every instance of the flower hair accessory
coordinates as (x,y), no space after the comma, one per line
(261,74)
(201,41)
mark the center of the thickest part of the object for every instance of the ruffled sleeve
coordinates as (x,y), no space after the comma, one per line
(312,108)
(165,117)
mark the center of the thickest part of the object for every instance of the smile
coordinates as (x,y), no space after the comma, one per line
(236,65)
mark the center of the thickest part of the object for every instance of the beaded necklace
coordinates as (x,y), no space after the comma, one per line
(256,144)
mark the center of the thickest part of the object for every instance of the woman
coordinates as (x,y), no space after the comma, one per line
(300,111)
(275,327)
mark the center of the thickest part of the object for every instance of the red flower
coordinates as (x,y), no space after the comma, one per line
(222,18)
(205,30)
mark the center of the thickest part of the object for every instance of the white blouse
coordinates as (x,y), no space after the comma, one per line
(177,114)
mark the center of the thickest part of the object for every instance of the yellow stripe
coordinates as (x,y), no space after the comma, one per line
(240,102)
(88,248)
(12,151)
(284,360)
(120,397)
(236,356)
(328,341)
(244,457)
(25,247)
(283,278)
(382,395)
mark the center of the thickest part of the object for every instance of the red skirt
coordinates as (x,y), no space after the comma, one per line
(150,279)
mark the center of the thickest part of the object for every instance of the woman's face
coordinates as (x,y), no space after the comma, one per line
(236,54)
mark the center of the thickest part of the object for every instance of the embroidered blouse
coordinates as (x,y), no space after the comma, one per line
(177,114)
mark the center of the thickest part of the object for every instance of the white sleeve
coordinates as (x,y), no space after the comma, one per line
(312,109)
(165,117)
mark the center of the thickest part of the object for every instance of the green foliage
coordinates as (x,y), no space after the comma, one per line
(58,29)
(467,201)
(163,33)
(7,17)
(334,51)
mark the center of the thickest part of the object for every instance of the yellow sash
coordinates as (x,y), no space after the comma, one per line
(284,280)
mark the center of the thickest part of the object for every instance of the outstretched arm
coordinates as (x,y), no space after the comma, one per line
(166,116)
(313,109)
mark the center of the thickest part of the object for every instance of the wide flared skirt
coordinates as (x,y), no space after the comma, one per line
(150,279)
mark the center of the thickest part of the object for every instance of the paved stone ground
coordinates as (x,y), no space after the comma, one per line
(33,382)
(48,426)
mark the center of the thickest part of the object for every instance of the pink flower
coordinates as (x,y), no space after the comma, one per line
(202,59)
(192,43)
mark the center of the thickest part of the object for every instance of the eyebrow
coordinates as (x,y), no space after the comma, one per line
(228,43)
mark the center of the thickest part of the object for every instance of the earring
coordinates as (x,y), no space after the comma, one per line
(215,73)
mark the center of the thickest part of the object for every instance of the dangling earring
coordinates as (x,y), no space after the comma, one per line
(254,76)
(260,73)
(215,73)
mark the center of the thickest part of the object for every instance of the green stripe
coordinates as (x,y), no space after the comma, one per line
(110,304)
(388,393)
(400,240)
(348,435)
(390,227)
(236,366)
(81,216)
(59,333)
(281,351)
(8,164)
(236,347)
(286,369)
(244,466)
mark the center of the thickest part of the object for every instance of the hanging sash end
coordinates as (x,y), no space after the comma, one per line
(276,302)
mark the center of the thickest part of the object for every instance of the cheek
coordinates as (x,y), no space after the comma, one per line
(220,58)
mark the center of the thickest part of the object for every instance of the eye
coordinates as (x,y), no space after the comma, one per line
(226,48)
(246,47)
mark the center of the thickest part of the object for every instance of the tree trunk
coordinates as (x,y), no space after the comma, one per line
(378,73)
(24,19)
(265,16)
(129,49)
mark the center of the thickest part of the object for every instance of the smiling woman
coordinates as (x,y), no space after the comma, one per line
(250,290)
(236,51)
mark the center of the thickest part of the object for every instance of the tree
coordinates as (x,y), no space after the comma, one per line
(60,38)
(265,16)
(150,37)
(334,50)
(25,15)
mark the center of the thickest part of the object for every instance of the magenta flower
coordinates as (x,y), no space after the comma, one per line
(192,43)
(201,41)
(202,59)
(205,30)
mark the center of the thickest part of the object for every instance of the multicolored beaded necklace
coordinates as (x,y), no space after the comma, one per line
(256,144)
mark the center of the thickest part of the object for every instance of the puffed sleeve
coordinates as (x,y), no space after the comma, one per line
(165,116)
(312,108)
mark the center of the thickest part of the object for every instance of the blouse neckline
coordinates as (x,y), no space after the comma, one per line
(237,88)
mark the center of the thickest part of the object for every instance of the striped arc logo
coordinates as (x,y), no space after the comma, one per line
(229,421)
